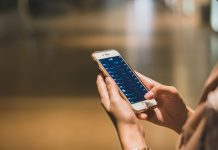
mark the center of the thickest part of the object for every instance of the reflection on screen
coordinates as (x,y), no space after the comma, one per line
(125,78)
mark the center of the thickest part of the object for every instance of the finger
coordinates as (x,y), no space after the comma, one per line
(149,95)
(149,83)
(158,115)
(102,89)
(153,92)
(158,90)
(150,115)
(142,116)
(102,75)
(153,115)
(112,88)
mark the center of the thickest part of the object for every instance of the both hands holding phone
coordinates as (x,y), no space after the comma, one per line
(171,111)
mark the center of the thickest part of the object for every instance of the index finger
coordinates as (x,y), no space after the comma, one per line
(102,89)
(149,83)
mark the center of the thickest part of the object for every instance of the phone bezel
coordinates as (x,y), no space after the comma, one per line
(137,107)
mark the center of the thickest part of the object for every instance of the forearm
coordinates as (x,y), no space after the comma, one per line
(131,136)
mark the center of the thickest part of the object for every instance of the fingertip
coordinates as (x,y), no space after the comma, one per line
(112,88)
(142,116)
(149,95)
(149,83)
(98,76)
(108,80)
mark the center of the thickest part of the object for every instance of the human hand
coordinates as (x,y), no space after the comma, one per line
(117,108)
(171,110)
(130,132)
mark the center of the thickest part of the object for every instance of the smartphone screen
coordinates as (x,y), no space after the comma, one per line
(124,77)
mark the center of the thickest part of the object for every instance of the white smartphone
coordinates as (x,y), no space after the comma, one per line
(112,64)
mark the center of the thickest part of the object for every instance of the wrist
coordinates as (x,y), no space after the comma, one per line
(178,126)
(131,135)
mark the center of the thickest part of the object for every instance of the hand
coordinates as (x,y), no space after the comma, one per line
(171,110)
(130,132)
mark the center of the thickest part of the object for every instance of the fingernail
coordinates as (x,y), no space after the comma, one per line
(149,95)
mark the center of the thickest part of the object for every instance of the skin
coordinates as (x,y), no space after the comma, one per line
(129,130)
(170,112)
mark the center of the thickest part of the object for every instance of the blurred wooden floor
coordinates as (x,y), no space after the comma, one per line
(64,124)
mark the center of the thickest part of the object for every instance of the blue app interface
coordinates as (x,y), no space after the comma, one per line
(128,83)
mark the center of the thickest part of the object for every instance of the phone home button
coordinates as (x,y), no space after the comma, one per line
(144,104)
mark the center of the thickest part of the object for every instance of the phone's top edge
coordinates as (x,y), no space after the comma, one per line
(99,51)
(96,53)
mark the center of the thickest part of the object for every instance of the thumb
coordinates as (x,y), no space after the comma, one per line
(159,89)
(153,92)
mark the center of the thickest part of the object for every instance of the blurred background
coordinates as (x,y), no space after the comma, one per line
(48,97)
